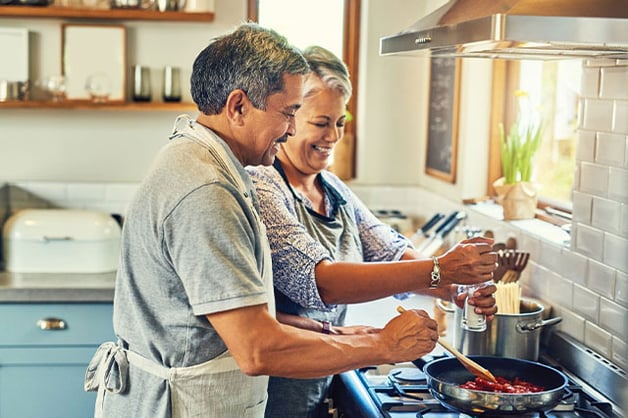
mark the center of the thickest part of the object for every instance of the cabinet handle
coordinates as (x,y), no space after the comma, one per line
(51,324)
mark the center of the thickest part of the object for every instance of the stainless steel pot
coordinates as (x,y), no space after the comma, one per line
(507,335)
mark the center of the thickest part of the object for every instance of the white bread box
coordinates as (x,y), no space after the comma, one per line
(61,241)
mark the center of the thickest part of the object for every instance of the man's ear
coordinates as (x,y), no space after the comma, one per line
(238,105)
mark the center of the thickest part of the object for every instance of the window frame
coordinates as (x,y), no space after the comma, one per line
(344,167)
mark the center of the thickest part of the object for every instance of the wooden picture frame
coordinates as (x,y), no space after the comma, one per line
(97,51)
(442,127)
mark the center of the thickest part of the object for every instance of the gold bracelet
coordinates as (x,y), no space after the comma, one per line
(435,275)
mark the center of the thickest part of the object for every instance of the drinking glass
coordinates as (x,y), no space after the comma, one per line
(141,84)
(172,84)
(99,87)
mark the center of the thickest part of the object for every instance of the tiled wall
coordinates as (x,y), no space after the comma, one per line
(600,227)
(107,197)
(586,281)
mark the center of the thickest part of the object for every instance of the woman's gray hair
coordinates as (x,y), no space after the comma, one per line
(251,58)
(330,69)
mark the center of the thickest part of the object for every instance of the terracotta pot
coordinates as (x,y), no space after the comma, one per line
(519,200)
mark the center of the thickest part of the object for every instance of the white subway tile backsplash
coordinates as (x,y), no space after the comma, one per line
(613,82)
(594,178)
(585,150)
(572,323)
(613,318)
(54,193)
(620,353)
(615,251)
(586,303)
(573,266)
(621,288)
(618,184)
(606,214)
(623,229)
(610,149)
(589,241)
(590,86)
(582,207)
(86,192)
(559,290)
(598,339)
(620,117)
(601,279)
(550,256)
(539,284)
(598,115)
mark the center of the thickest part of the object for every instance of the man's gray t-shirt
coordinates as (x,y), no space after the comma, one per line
(191,246)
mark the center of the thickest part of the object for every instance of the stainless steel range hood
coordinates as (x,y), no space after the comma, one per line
(518,29)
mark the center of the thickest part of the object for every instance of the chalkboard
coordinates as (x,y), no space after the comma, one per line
(442,126)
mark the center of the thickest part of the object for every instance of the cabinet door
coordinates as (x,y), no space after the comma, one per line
(42,370)
(45,382)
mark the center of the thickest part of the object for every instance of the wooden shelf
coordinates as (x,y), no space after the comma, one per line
(88,105)
(51,12)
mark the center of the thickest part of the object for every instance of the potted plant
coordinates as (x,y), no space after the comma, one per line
(515,190)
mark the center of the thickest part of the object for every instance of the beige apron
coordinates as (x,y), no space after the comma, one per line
(216,388)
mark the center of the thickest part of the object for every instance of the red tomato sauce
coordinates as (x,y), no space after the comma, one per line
(502,385)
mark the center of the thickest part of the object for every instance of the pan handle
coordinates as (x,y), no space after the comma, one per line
(524,327)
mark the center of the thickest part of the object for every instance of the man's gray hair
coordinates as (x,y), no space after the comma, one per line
(251,58)
(330,69)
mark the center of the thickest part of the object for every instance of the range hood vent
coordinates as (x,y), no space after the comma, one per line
(518,29)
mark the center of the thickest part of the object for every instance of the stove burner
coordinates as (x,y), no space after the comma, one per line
(407,375)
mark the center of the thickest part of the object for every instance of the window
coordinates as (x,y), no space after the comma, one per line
(332,24)
(553,87)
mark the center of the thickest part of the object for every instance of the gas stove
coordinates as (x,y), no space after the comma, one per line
(400,391)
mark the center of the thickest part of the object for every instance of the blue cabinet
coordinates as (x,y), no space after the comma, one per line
(44,351)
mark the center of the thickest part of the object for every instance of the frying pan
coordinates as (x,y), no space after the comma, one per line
(444,377)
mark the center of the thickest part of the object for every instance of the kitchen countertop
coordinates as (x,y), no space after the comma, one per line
(56,287)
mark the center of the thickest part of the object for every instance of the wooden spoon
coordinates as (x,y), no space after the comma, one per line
(469,364)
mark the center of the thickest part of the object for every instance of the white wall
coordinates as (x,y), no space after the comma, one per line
(94,145)
(392,109)
(113,146)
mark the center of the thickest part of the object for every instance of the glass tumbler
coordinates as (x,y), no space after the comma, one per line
(141,84)
(172,84)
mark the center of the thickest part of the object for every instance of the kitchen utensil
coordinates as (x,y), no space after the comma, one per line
(437,242)
(431,237)
(421,234)
(444,377)
(469,364)
(507,335)
(514,262)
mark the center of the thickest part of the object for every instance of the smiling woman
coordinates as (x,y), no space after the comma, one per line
(301,23)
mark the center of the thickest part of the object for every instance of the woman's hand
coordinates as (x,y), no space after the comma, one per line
(468,262)
(482,299)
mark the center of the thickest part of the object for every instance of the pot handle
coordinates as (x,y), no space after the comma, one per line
(441,305)
(524,327)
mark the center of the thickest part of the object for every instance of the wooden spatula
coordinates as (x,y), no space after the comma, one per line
(469,364)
